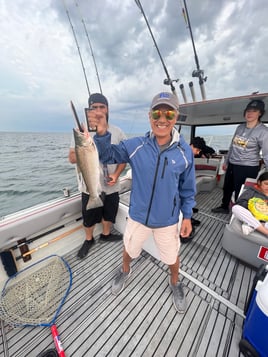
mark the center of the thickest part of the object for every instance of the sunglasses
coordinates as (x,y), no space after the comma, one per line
(169,114)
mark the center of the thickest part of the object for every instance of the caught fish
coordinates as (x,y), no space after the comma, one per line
(87,158)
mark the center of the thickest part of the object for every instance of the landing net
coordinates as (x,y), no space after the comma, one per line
(34,296)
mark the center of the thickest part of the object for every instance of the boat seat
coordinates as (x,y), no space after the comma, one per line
(206,171)
(251,249)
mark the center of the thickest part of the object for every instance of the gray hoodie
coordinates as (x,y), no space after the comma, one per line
(247,144)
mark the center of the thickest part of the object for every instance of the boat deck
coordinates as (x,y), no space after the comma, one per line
(141,320)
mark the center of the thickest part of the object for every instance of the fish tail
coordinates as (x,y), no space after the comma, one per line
(94,202)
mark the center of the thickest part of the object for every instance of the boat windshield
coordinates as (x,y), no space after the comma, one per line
(216,136)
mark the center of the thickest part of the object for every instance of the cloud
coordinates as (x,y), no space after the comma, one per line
(41,69)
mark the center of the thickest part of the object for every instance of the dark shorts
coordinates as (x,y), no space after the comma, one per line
(107,212)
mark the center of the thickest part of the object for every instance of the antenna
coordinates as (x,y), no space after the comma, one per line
(199,73)
(75,38)
(90,46)
(168,81)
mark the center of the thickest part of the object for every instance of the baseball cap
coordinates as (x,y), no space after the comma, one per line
(97,98)
(166,98)
(256,104)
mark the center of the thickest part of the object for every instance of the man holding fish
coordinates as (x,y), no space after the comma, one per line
(163,185)
(97,183)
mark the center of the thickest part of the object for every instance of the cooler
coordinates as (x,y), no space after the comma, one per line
(254,342)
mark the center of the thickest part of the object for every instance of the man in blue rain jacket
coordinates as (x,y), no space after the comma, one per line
(163,185)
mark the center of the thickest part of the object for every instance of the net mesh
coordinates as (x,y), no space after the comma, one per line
(35,295)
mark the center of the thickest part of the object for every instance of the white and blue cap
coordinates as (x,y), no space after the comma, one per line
(166,98)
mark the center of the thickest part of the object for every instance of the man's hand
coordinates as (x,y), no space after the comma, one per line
(112,179)
(186,228)
(97,120)
(72,156)
(224,167)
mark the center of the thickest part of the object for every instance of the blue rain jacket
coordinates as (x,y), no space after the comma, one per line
(163,183)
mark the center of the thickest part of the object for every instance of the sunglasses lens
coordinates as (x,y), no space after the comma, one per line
(156,114)
(170,114)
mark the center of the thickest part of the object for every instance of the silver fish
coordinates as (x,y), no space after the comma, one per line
(87,159)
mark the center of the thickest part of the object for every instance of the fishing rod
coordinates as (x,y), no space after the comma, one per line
(168,81)
(76,118)
(90,46)
(77,45)
(199,73)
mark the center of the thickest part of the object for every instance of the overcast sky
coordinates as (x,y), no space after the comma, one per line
(41,71)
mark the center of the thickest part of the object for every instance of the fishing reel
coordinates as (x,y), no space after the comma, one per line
(199,73)
(168,81)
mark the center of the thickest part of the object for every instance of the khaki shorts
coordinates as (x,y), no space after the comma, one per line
(166,240)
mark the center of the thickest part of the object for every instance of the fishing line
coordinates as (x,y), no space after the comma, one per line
(89,43)
(168,81)
(77,45)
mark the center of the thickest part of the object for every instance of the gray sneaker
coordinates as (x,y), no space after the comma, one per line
(119,282)
(179,300)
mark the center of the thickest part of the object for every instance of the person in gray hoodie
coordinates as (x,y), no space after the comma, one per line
(252,207)
(243,159)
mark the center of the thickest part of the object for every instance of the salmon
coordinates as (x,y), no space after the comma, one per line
(87,159)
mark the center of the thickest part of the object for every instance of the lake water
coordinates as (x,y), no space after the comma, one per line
(34,169)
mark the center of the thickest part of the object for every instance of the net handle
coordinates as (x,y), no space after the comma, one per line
(57,341)
(61,236)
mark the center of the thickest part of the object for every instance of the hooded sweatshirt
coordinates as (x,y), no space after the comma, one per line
(247,143)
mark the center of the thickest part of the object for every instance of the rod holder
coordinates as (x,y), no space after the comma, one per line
(191,86)
(183,93)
